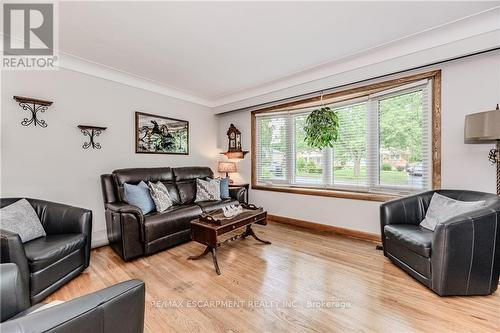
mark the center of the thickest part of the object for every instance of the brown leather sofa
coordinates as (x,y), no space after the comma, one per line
(132,234)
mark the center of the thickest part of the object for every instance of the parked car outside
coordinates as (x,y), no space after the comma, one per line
(416,170)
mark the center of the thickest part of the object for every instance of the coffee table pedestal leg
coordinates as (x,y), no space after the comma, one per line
(250,232)
(214,257)
(212,250)
(207,250)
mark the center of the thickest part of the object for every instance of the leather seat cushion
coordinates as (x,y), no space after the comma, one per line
(414,264)
(50,277)
(412,237)
(44,251)
(210,206)
(172,220)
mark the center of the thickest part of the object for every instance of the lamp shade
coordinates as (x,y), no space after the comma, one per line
(482,127)
(227,167)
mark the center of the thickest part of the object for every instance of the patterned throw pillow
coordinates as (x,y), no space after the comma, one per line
(207,190)
(160,196)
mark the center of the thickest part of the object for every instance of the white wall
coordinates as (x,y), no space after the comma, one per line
(468,85)
(49,163)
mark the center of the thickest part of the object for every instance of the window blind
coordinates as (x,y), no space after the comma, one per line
(383,146)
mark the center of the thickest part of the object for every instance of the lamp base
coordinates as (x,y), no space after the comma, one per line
(230,180)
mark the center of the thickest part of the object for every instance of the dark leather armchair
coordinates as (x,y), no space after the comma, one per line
(119,308)
(461,256)
(132,234)
(47,263)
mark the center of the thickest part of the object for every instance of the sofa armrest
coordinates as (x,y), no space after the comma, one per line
(123,207)
(119,308)
(14,293)
(12,251)
(238,193)
(465,254)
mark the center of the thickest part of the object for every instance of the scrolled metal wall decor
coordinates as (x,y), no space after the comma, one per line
(494,157)
(91,132)
(34,106)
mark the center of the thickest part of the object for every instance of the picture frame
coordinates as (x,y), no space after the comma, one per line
(155,134)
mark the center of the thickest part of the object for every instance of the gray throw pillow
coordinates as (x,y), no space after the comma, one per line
(207,190)
(443,208)
(21,218)
(160,196)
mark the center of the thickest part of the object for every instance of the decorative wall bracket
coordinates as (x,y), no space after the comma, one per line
(494,158)
(34,106)
(91,132)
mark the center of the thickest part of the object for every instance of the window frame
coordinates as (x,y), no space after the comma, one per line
(435,100)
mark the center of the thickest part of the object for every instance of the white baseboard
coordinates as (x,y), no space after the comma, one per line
(99,238)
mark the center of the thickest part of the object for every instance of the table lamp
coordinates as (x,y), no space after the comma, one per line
(484,127)
(227,167)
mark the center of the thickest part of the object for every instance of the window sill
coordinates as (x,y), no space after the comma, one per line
(328,193)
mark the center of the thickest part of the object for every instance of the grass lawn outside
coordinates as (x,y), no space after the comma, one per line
(392,177)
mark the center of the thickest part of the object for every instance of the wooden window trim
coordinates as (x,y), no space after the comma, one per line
(434,76)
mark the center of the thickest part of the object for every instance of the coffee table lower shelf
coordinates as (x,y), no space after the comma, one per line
(208,234)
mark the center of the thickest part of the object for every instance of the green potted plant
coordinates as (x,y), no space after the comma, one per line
(322,128)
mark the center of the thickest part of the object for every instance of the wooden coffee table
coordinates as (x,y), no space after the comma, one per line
(209,233)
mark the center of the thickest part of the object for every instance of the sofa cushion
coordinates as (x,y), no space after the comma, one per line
(412,237)
(210,206)
(185,179)
(191,173)
(414,264)
(172,220)
(44,251)
(136,175)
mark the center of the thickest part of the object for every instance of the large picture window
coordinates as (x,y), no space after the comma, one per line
(384,148)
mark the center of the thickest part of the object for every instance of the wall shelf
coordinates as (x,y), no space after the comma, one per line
(34,106)
(91,132)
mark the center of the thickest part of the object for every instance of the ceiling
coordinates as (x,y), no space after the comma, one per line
(212,50)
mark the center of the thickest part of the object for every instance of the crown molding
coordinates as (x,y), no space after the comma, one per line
(77,64)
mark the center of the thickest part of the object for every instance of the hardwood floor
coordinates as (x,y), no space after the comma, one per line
(276,285)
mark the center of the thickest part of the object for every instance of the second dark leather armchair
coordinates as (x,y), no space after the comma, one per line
(461,256)
(47,263)
(119,308)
